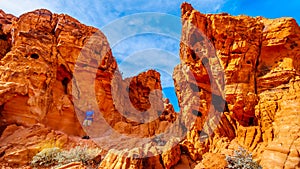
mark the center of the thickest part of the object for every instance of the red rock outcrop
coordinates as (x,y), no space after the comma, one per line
(237,85)
(152,157)
(19,144)
(52,67)
(49,70)
(44,46)
(259,61)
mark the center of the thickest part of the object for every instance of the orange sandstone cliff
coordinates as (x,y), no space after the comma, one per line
(237,85)
(52,67)
(259,58)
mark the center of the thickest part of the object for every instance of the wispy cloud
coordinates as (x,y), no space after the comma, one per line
(142,42)
(146,41)
(208,6)
(157,59)
(99,13)
(148,51)
(19,7)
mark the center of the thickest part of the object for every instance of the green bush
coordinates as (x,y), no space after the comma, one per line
(55,156)
(241,160)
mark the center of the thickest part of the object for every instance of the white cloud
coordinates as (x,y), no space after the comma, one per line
(165,6)
(99,13)
(145,41)
(19,7)
(132,25)
(157,59)
(207,6)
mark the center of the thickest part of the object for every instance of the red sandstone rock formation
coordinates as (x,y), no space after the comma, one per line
(51,67)
(44,48)
(261,69)
(19,144)
(237,84)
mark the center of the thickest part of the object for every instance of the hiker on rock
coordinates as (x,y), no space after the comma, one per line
(89,116)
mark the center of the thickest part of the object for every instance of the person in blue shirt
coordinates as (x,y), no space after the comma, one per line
(89,117)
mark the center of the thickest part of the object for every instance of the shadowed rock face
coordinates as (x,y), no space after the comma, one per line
(5,35)
(237,84)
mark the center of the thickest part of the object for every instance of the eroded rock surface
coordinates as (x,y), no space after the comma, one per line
(259,60)
(19,144)
(44,49)
(237,85)
(52,68)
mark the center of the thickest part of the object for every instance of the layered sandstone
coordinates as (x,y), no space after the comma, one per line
(237,85)
(44,49)
(259,63)
(19,144)
(55,67)
(52,67)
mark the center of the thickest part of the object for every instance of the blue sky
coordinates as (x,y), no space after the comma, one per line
(156,43)
(99,12)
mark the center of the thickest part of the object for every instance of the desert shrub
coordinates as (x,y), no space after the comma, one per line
(242,160)
(55,156)
(46,157)
(78,154)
